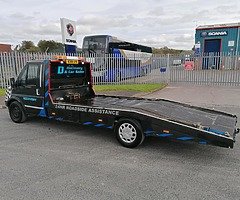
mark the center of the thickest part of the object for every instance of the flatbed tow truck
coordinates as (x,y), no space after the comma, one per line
(62,89)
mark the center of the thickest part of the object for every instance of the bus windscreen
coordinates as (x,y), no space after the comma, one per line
(94,43)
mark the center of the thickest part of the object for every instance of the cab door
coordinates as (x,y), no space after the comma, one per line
(29,87)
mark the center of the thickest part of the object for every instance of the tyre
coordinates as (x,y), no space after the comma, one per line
(16,112)
(129,133)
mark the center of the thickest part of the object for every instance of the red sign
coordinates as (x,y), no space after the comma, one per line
(188,65)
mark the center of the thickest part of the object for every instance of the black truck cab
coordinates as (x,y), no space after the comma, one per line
(43,82)
(61,89)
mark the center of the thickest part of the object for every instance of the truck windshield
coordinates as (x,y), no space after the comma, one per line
(67,71)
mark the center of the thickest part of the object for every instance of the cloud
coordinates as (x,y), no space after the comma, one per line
(170,40)
(18,27)
(104,22)
(43,29)
(158,11)
(155,23)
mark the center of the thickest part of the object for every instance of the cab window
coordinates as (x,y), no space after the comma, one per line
(32,74)
(29,75)
(21,80)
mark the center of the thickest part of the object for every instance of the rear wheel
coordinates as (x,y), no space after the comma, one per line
(16,112)
(129,133)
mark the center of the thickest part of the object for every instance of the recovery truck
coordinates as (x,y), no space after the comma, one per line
(61,89)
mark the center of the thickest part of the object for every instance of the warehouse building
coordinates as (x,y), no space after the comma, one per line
(219,44)
(218,38)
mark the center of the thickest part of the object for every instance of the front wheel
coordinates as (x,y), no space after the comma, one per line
(129,133)
(16,112)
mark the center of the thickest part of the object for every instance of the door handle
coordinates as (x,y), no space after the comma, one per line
(37,92)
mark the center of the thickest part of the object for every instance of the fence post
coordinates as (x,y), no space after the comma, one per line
(134,58)
(168,68)
(1,71)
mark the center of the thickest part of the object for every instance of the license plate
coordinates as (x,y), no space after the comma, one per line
(72,62)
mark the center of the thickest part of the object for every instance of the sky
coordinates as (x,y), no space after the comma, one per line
(154,23)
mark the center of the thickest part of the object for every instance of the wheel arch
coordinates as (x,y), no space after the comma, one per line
(15,99)
(116,120)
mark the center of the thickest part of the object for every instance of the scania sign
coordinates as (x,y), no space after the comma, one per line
(214,33)
(220,33)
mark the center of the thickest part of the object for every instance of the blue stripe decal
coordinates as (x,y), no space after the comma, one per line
(184,138)
(109,127)
(99,125)
(59,119)
(164,135)
(215,131)
(87,123)
(149,132)
(42,113)
(202,142)
(46,83)
(46,72)
(116,52)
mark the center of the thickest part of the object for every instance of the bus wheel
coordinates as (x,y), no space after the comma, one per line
(16,112)
(129,133)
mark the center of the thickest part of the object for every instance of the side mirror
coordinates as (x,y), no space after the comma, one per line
(12,82)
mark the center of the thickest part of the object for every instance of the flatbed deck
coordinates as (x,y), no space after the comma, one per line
(191,120)
(173,111)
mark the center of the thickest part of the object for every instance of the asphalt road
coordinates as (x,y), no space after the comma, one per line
(226,99)
(43,159)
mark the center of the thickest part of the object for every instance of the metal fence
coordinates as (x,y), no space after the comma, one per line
(210,69)
(207,69)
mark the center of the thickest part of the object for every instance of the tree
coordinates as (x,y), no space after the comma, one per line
(28,46)
(47,46)
(50,46)
(165,50)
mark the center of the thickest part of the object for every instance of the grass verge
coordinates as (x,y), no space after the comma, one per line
(2,92)
(130,87)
